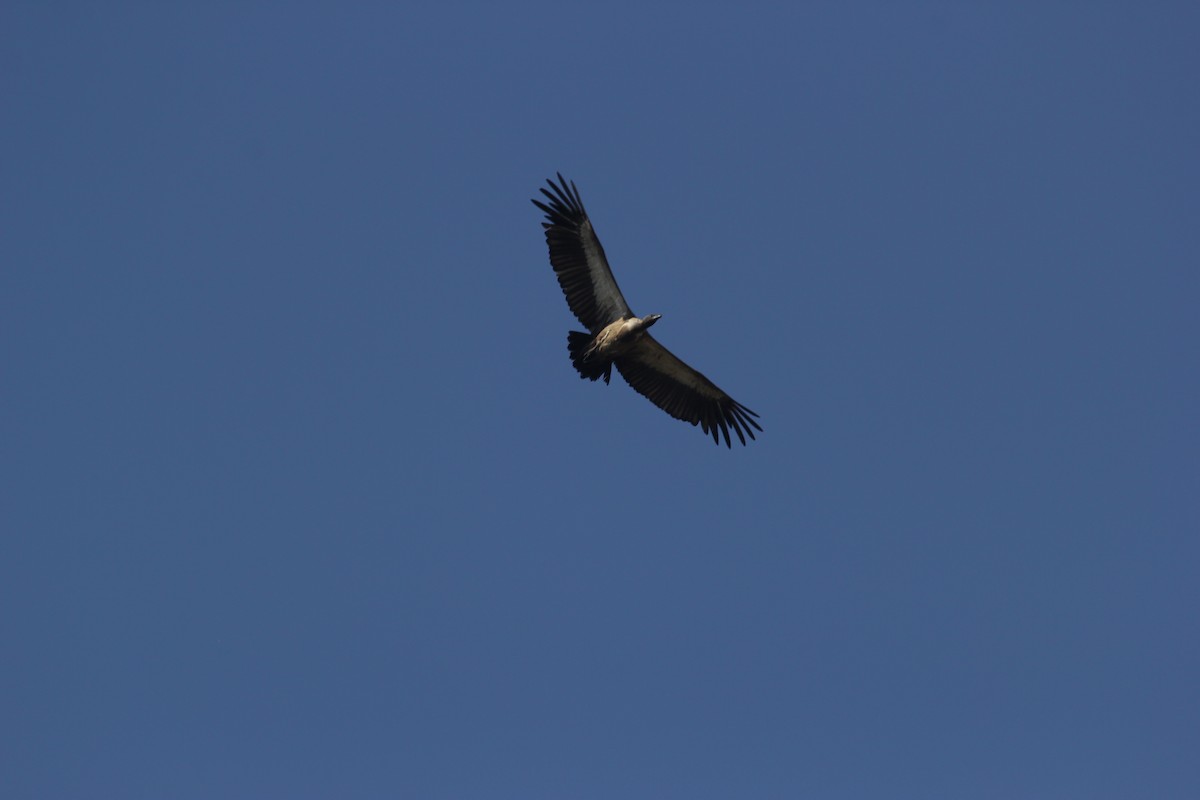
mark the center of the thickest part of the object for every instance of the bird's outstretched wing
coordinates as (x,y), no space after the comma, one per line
(683,392)
(578,259)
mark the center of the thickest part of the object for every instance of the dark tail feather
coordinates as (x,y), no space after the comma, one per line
(592,369)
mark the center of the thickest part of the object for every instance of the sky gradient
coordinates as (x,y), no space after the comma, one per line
(302,498)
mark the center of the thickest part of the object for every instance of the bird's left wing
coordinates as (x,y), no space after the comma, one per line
(578,259)
(656,374)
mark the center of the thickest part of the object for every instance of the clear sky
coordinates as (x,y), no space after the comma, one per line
(301,497)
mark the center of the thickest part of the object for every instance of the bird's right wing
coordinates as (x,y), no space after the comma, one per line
(578,259)
(662,378)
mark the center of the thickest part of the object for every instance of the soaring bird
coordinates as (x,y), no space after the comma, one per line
(617,336)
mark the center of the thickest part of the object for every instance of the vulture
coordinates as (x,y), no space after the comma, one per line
(618,337)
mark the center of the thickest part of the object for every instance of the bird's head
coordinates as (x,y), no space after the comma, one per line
(650,319)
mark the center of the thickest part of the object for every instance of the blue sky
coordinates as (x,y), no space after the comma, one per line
(302,498)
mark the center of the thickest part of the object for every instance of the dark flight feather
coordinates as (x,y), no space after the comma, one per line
(578,259)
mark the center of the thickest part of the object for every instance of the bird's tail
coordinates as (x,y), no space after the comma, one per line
(589,367)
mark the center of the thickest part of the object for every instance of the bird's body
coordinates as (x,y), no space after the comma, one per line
(618,337)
